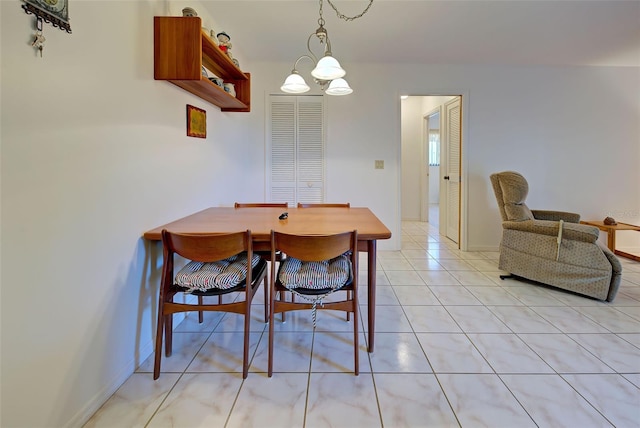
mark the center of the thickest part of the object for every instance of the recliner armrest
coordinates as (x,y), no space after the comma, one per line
(572,231)
(556,216)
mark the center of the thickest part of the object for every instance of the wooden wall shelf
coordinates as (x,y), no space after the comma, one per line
(181,48)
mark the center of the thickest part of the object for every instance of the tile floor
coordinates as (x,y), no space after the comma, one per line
(455,347)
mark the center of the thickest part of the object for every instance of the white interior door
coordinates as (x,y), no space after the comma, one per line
(451,172)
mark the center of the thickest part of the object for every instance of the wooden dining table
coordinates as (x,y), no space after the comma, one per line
(304,221)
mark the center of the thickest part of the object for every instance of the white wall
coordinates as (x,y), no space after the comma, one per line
(94,153)
(412,159)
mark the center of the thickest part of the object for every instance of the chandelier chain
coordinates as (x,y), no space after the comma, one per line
(346,18)
(321,19)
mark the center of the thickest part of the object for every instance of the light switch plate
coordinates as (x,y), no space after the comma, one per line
(379,164)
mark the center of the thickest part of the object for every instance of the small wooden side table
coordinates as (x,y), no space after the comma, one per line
(611,236)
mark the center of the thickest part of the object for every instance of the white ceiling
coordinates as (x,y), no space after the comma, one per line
(517,32)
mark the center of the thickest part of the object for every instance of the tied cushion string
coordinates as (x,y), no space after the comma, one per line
(314,299)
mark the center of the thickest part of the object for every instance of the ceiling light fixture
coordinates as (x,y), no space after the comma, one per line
(327,70)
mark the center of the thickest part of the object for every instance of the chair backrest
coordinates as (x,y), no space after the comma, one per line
(303,205)
(511,190)
(261,204)
(206,248)
(314,248)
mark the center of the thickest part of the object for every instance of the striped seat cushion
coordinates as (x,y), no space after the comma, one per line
(223,274)
(327,274)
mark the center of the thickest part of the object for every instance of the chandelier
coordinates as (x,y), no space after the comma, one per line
(327,72)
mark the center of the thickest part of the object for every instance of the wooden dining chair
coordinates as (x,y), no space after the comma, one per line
(266,254)
(330,205)
(303,205)
(315,266)
(219,264)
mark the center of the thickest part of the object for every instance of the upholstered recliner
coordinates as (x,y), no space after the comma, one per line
(551,247)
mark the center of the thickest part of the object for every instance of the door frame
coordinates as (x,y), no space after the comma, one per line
(464,167)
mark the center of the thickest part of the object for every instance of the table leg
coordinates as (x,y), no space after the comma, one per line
(611,239)
(371,285)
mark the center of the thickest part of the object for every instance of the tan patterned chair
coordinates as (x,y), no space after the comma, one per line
(551,247)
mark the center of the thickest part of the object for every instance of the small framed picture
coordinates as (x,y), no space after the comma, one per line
(196,122)
(55,12)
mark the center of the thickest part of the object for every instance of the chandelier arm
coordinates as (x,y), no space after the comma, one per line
(350,18)
(314,60)
(313,57)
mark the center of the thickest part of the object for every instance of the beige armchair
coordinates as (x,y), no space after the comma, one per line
(551,247)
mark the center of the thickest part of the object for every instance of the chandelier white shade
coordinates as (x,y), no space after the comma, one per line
(339,87)
(295,84)
(328,68)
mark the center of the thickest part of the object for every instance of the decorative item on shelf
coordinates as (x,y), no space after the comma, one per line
(204,72)
(327,70)
(224,42)
(610,221)
(196,122)
(212,34)
(230,88)
(235,62)
(218,81)
(189,11)
(54,12)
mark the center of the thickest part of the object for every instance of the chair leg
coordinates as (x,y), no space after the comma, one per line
(159,331)
(168,334)
(247,328)
(283,297)
(200,313)
(348,298)
(272,298)
(266,299)
(356,346)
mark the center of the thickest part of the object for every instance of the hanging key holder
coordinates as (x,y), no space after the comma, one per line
(38,42)
(54,12)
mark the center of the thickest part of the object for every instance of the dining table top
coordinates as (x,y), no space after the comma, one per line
(261,220)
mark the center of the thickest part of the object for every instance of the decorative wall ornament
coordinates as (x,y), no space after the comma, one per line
(196,122)
(54,12)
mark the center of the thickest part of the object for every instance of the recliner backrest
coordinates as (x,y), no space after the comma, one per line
(511,190)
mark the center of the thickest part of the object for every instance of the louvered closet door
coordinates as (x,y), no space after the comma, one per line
(297,149)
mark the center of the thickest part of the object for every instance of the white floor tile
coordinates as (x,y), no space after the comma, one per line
(199,400)
(612,395)
(483,400)
(342,400)
(409,400)
(452,353)
(551,402)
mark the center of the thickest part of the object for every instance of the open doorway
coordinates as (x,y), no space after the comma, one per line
(431,128)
